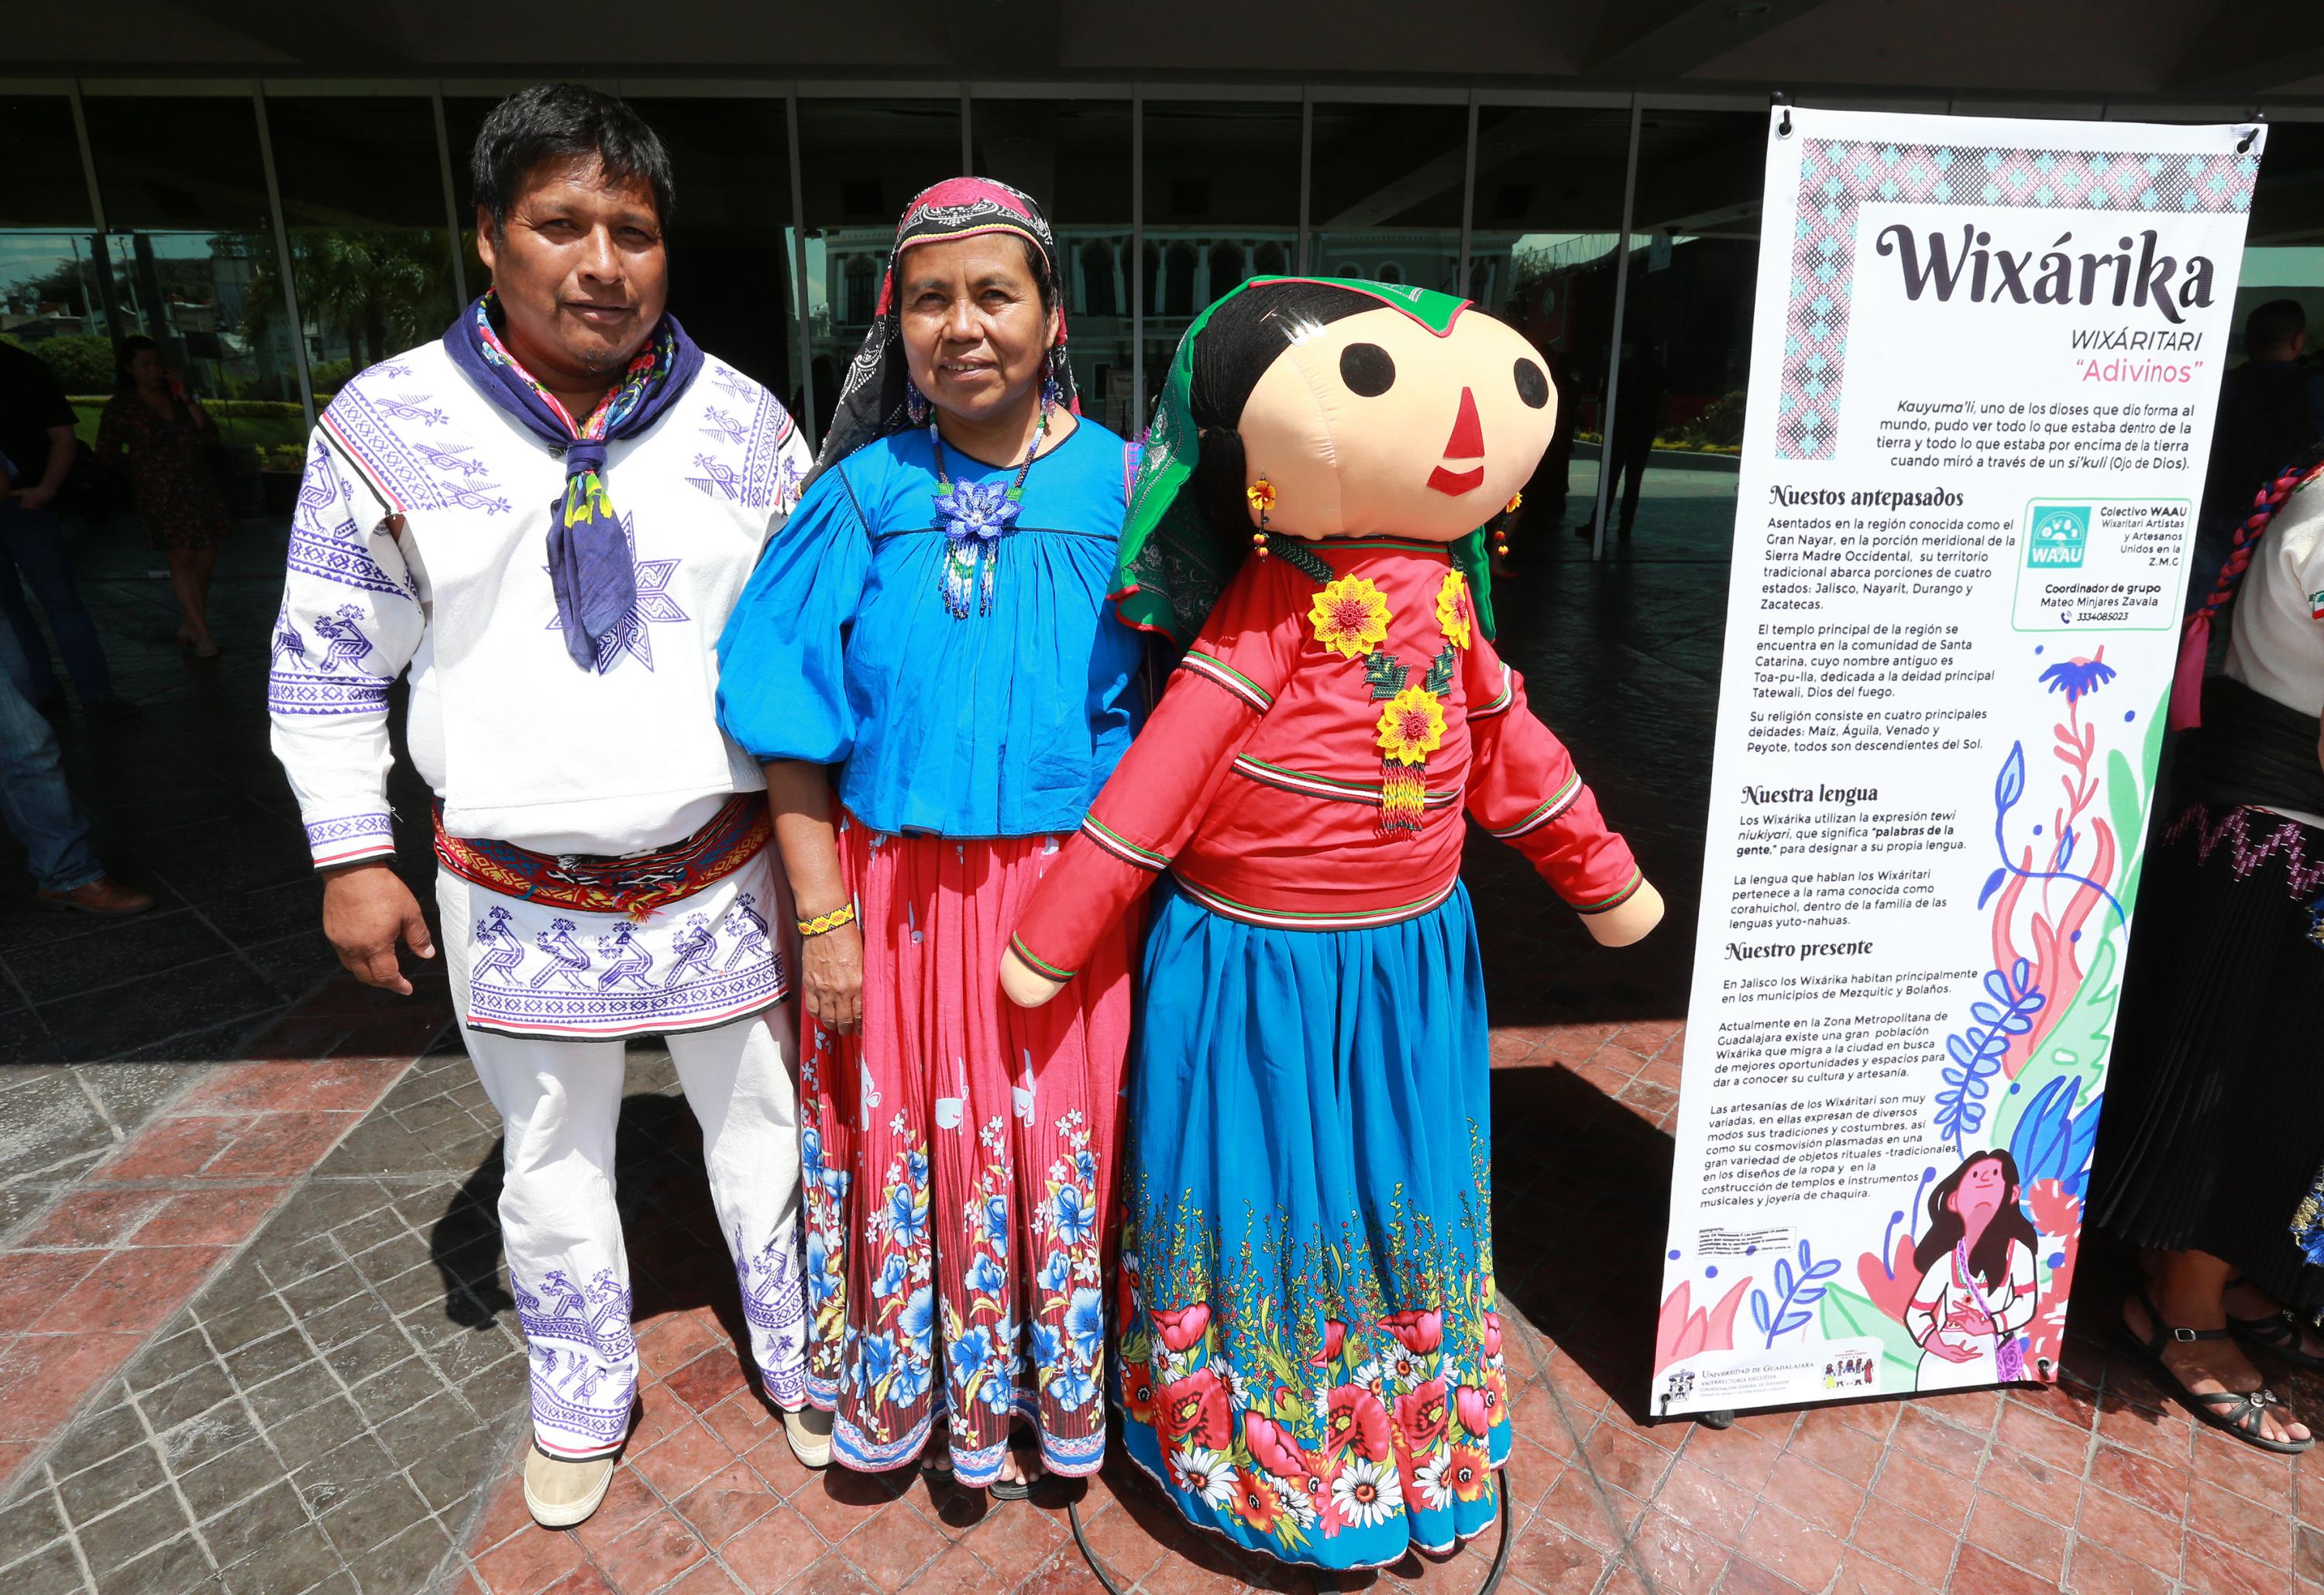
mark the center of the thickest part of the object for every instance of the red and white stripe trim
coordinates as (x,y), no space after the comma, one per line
(1549,808)
(1225,675)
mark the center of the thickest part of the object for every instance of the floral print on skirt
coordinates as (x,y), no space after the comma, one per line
(960,1156)
(1311,1362)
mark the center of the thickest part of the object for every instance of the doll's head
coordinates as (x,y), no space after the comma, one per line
(1368,410)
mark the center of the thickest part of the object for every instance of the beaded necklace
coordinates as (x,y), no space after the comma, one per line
(975,516)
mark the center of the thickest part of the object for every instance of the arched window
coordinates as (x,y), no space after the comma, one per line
(1268,261)
(1178,281)
(1389,272)
(863,290)
(1097,281)
(1227,272)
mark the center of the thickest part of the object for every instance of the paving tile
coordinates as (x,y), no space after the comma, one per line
(1817,1495)
(138,1289)
(2032,1544)
(55,1571)
(2128,1530)
(1788,1545)
(46,1376)
(1547,1558)
(131,1530)
(1979,1572)
(726,1503)
(211,1218)
(774,1551)
(1678,1560)
(1915,1486)
(2030,1484)
(650,1555)
(2155,1485)
(113,1483)
(88,1217)
(31,1282)
(2093,1570)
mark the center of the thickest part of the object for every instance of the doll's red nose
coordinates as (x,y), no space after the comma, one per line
(1467,443)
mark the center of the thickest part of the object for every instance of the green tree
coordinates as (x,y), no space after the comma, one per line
(82,362)
(382,291)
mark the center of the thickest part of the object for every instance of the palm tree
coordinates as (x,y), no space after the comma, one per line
(381,290)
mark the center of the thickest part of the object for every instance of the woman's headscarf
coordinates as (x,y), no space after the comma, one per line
(1175,560)
(873,399)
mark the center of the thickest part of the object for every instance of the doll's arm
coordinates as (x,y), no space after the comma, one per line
(1526,791)
(1158,793)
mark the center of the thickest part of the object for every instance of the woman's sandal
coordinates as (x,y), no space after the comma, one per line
(2278,1334)
(2239,1413)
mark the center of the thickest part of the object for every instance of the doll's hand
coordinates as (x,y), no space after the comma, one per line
(1618,927)
(1026,987)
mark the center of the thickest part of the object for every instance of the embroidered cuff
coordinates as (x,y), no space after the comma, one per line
(1629,888)
(1546,810)
(1224,675)
(349,838)
(1122,848)
(1038,962)
(1498,704)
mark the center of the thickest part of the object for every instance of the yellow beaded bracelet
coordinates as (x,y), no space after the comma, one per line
(844,915)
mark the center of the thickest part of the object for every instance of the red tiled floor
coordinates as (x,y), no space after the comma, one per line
(106,1267)
(2097,1486)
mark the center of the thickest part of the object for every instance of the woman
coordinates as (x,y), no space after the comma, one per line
(163,429)
(932,623)
(1978,1289)
(2214,1109)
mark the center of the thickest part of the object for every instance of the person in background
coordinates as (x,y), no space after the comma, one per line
(2271,409)
(1637,417)
(2213,1106)
(161,430)
(36,431)
(35,804)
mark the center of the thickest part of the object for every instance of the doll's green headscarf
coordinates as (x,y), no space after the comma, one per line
(1175,562)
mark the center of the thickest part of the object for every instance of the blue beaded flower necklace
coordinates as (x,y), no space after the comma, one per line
(975,516)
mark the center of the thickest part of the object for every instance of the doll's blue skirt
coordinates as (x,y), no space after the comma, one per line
(1311,1361)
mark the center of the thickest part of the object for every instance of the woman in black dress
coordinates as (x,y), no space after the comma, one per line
(163,430)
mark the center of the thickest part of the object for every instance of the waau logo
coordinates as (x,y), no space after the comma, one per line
(2060,534)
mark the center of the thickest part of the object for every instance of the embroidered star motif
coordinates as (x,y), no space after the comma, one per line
(655,606)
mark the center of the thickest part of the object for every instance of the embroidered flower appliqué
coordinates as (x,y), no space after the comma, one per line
(1411,726)
(1453,608)
(1350,616)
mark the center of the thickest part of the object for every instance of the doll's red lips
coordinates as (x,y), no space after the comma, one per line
(1466,443)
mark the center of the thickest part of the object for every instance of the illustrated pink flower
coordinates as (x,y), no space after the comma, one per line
(1492,1333)
(1195,1408)
(1355,1419)
(1274,1449)
(1335,1335)
(1181,1327)
(1419,1332)
(1891,1295)
(1682,1330)
(1421,1415)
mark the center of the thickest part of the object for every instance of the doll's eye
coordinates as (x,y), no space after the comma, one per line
(1366,370)
(1533,385)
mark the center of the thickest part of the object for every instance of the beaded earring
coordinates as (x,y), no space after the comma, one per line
(1501,524)
(916,403)
(1262,494)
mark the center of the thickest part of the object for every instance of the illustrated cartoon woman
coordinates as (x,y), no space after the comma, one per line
(1977,1288)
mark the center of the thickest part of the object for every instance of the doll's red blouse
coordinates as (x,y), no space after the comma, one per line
(1259,779)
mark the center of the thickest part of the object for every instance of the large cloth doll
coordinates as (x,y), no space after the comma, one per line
(1310,1363)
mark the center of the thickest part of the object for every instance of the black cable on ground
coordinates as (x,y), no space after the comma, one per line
(1492,1574)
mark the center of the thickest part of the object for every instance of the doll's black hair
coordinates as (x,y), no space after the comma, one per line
(1242,338)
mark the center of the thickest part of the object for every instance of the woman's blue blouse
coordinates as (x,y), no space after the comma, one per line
(1001,722)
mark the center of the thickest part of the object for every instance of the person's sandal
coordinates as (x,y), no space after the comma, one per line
(2239,1413)
(2278,1334)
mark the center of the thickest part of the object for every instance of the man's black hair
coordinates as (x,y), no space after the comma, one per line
(2273,324)
(560,122)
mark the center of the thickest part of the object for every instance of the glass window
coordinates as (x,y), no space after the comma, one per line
(730,276)
(2283,251)
(1221,184)
(1072,157)
(191,258)
(372,262)
(1542,257)
(861,161)
(1686,335)
(1384,194)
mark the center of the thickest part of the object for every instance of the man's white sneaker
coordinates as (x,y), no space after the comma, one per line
(809,1432)
(560,1494)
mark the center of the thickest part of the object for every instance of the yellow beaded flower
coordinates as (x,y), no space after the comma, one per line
(1350,615)
(1411,726)
(1453,608)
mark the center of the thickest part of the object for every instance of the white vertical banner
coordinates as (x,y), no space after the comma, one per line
(1986,358)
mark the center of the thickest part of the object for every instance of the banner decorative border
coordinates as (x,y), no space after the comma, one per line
(1837,175)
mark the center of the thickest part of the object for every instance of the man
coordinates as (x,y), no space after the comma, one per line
(34,801)
(36,432)
(557,590)
(2271,410)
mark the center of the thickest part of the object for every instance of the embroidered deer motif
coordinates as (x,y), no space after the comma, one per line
(749,930)
(567,961)
(698,944)
(630,961)
(499,950)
